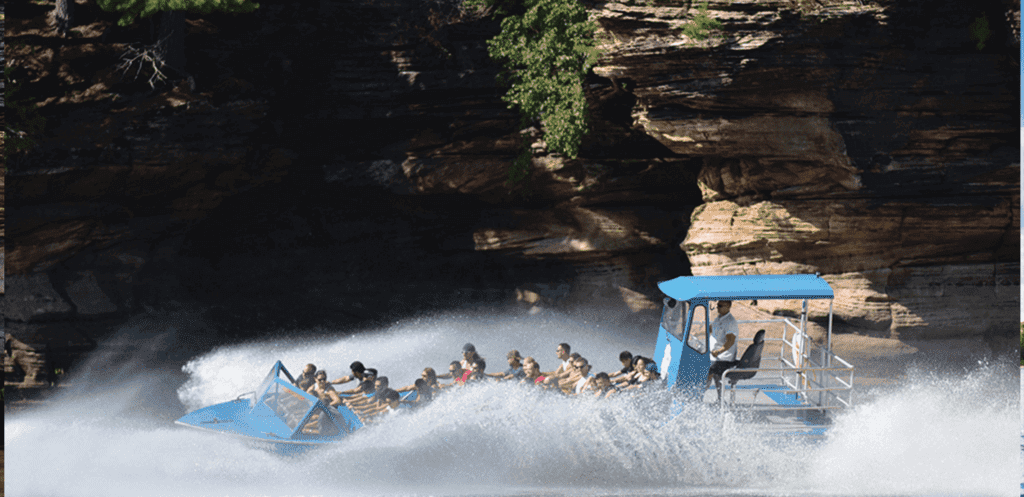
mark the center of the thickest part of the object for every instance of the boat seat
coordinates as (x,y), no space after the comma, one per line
(751,359)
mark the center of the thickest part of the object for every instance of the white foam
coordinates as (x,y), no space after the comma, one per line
(933,435)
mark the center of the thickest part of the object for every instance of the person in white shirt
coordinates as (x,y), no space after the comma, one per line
(564,371)
(583,367)
(724,331)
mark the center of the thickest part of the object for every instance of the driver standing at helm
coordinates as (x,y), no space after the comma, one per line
(723,344)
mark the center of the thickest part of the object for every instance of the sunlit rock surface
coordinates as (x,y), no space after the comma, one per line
(843,146)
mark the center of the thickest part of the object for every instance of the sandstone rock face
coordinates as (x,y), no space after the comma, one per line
(23,365)
(834,146)
(357,171)
(893,268)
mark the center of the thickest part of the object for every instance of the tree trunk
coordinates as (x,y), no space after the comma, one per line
(171,40)
(64,16)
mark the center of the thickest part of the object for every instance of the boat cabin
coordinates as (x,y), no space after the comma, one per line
(791,370)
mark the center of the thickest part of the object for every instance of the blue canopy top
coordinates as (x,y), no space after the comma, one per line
(747,287)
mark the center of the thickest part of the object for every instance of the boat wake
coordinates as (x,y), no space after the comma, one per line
(934,434)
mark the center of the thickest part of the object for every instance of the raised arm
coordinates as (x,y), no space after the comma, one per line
(342,380)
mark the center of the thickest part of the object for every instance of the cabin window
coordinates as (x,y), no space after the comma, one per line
(674,316)
(698,329)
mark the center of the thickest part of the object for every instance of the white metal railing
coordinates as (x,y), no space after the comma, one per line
(825,387)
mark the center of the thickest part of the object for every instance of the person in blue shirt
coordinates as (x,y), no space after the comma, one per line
(515,368)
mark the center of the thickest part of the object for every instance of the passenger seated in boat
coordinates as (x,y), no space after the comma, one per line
(602,385)
(634,375)
(626,358)
(359,394)
(568,383)
(424,394)
(532,370)
(469,356)
(648,375)
(369,375)
(467,374)
(379,386)
(564,383)
(642,364)
(324,391)
(358,371)
(573,357)
(585,376)
(515,368)
(429,377)
(564,354)
(630,376)
(389,401)
(306,379)
(563,377)
(364,387)
(455,372)
(477,373)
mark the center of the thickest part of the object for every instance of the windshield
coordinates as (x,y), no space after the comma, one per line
(289,405)
(319,424)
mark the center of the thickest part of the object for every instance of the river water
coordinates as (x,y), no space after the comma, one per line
(112,433)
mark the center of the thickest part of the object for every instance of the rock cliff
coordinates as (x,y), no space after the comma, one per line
(336,164)
(843,146)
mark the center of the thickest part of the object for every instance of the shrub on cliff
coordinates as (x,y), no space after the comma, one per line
(980,31)
(23,122)
(546,52)
(701,25)
(131,10)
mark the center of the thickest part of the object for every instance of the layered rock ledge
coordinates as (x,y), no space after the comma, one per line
(346,164)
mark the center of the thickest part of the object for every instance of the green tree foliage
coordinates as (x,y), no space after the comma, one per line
(133,9)
(23,120)
(980,31)
(521,166)
(546,52)
(702,24)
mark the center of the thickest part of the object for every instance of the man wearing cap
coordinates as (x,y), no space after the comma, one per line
(515,368)
(724,331)
(469,356)
(466,364)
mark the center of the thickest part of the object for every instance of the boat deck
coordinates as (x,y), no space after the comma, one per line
(772,405)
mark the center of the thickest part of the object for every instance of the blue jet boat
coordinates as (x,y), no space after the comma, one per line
(798,382)
(801,381)
(278,414)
